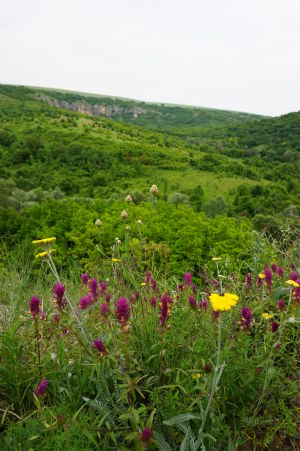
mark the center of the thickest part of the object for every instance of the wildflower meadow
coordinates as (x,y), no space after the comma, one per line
(125,354)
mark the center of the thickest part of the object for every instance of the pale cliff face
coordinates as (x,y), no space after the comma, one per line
(95,110)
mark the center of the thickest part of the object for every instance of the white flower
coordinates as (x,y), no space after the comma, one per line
(128,228)
(97,223)
(124,214)
(292,319)
(139,222)
(154,190)
(69,374)
(53,356)
(128,199)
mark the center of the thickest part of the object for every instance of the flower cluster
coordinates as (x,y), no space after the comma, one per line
(123,310)
(223,302)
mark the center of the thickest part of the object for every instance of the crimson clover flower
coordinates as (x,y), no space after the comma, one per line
(268,278)
(123,310)
(153,284)
(294,276)
(274,326)
(279,271)
(102,287)
(281,305)
(104,309)
(42,387)
(188,279)
(85,301)
(153,302)
(192,301)
(273,267)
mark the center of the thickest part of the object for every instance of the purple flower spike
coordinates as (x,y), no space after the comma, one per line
(248,280)
(274,326)
(102,287)
(34,306)
(146,435)
(268,278)
(153,302)
(104,309)
(94,288)
(281,305)
(294,276)
(280,271)
(41,389)
(273,267)
(123,311)
(85,279)
(246,318)
(188,278)
(59,291)
(99,345)
(192,301)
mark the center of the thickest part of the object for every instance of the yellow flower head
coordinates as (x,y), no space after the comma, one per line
(267,315)
(293,283)
(261,276)
(115,260)
(45,254)
(223,302)
(216,259)
(143,284)
(43,241)
(196,376)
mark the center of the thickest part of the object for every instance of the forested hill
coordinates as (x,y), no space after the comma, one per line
(155,116)
(247,169)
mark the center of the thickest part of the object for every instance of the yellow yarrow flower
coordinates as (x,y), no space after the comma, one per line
(216,259)
(115,260)
(261,276)
(196,376)
(223,302)
(44,241)
(45,254)
(293,283)
(267,315)
(143,284)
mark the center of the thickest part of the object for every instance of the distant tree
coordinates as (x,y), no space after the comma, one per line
(178,198)
(216,206)
(197,198)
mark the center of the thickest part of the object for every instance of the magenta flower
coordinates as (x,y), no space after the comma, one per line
(293,266)
(215,283)
(232,276)
(188,279)
(164,311)
(104,309)
(58,292)
(180,287)
(123,311)
(102,287)
(248,280)
(294,276)
(202,305)
(153,284)
(56,317)
(85,278)
(246,318)
(207,368)
(132,298)
(273,267)
(34,305)
(146,435)
(153,302)
(107,297)
(192,301)
(258,282)
(281,305)
(296,293)
(280,271)
(274,326)
(94,288)
(98,344)
(42,387)
(148,277)
(85,301)
(268,278)
(137,295)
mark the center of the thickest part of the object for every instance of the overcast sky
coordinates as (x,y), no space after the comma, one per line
(241,55)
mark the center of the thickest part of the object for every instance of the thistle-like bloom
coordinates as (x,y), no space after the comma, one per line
(99,345)
(188,279)
(280,271)
(58,292)
(246,318)
(123,310)
(42,387)
(281,305)
(248,280)
(192,301)
(85,278)
(223,302)
(139,221)
(128,199)
(98,223)
(124,214)
(94,288)
(273,267)
(274,326)
(34,305)
(146,435)
(44,241)
(154,190)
